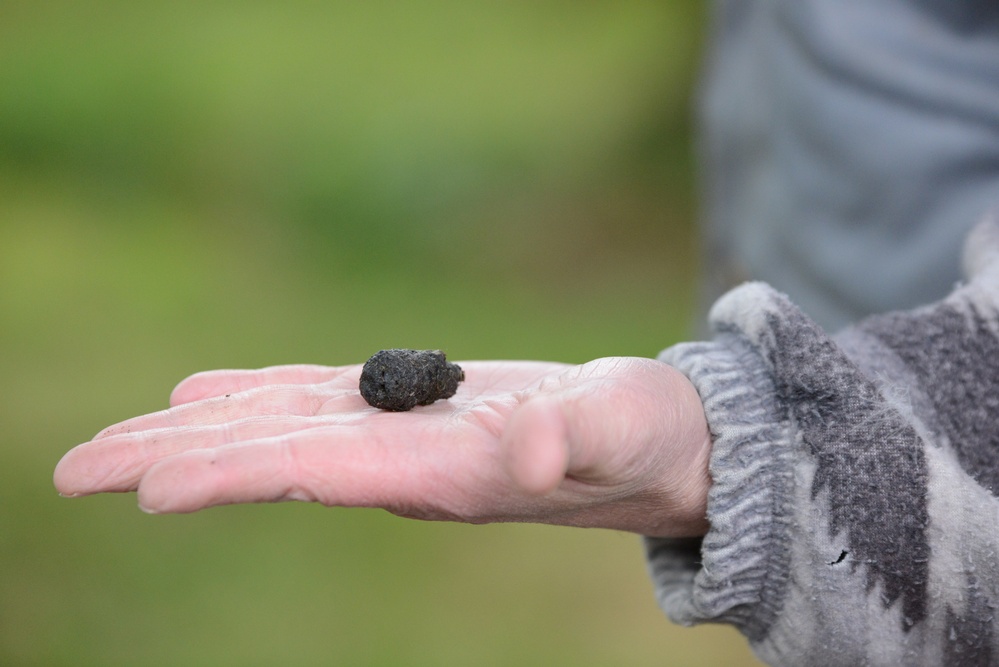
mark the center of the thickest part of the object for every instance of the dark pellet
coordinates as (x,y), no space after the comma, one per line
(399,380)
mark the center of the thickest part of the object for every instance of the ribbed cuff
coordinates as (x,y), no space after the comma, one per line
(738,573)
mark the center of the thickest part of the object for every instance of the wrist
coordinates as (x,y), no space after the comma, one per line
(685,474)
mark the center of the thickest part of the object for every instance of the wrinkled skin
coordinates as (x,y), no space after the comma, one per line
(616,443)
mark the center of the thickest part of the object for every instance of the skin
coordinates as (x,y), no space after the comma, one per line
(616,443)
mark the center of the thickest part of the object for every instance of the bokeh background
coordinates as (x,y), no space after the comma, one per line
(186,186)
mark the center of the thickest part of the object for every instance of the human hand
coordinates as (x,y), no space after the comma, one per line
(615,443)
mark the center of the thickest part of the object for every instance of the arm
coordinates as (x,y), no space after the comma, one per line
(856,480)
(615,443)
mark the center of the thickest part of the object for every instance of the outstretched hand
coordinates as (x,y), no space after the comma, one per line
(616,443)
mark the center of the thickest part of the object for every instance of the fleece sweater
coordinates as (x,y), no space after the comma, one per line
(854,509)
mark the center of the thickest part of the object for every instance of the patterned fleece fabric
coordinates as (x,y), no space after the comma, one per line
(855,501)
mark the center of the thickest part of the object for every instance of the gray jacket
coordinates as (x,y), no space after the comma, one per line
(848,147)
(855,502)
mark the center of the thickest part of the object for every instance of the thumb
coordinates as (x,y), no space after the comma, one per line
(631,430)
(617,421)
(536,445)
(565,432)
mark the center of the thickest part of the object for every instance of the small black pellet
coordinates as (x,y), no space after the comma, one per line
(399,380)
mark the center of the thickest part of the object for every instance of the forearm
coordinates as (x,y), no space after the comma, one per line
(851,481)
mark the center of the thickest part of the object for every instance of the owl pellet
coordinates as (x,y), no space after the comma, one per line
(399,380)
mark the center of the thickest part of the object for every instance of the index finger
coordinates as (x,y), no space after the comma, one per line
(210,384)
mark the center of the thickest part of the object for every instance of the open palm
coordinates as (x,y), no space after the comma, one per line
(617,443)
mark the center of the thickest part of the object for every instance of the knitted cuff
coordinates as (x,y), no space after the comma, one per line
(738,572)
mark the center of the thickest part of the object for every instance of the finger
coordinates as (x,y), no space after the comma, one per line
(335,466)
(209,384)
(536,446)
(592,427)
(300,400)
(116,463)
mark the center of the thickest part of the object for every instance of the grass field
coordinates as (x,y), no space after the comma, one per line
(187,186)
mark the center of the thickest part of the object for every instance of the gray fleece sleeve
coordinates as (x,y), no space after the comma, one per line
(855,501)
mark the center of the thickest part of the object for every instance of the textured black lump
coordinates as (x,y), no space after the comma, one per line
(398,380)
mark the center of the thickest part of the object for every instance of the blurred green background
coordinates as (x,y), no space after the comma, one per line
(186,186)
